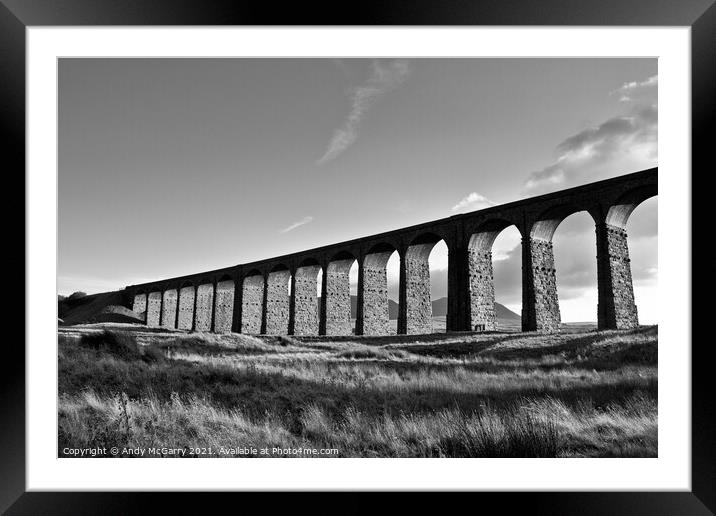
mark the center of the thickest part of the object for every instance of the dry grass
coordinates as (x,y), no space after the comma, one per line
(470,395)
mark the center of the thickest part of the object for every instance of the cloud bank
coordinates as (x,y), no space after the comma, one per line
(619,145)
(384,77)
(304,220)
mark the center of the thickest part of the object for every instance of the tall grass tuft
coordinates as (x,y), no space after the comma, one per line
(122,345)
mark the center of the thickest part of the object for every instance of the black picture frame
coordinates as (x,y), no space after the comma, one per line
(700,15)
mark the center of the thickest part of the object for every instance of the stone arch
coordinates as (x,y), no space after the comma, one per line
(541,309)
(415,310)
(378,254)
(619,212)
(336,295)
(421,245)
(547,223)
(373,307)
(187,295)
(204,305)
(616,307)
(484,235)
(481,274)
(224,304)
(278,301)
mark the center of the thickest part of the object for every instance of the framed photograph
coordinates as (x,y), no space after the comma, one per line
(419,249)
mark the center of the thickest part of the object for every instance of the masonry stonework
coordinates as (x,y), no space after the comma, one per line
(224,306)
(417,314)
(277,303)
(185,319)
(204,307)
(541,306)
(305,301)
(336,311)
(375,311)
(169,309)
(252,304)
(154,308)
(139,306)
(616,308)
(482,290)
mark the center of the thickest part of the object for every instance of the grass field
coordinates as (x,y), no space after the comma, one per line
(578,393)
(438,325)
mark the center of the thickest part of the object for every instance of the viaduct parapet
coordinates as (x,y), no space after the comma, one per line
(255,297)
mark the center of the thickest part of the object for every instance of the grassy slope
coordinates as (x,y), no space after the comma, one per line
(75,311)
(572,394)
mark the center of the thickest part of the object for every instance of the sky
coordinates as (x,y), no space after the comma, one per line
(174,166)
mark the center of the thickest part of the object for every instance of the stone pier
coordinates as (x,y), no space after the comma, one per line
(336,297)
(416,310)
(224,305)
(204,307)
(185,319)
(305,301)
(169,309)
(139,306)
(540,305)
(616,308)
(482,290)
(252,304)
(373,313)
(277,303)
(154,309)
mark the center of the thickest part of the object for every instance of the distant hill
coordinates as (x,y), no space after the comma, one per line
(501,311)
(504,313)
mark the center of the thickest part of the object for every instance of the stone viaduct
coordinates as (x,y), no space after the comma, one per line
(255,297)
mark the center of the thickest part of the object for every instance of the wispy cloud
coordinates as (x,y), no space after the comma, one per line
(616,146)
(384,77)
(341,65)
(473,201)
(298,223)
(630,91)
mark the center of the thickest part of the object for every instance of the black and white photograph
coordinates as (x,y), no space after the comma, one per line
(419,248)
(357,257)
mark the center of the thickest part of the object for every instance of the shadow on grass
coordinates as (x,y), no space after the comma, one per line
(254,392)
(391,339)
(601,352)
(575,346)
